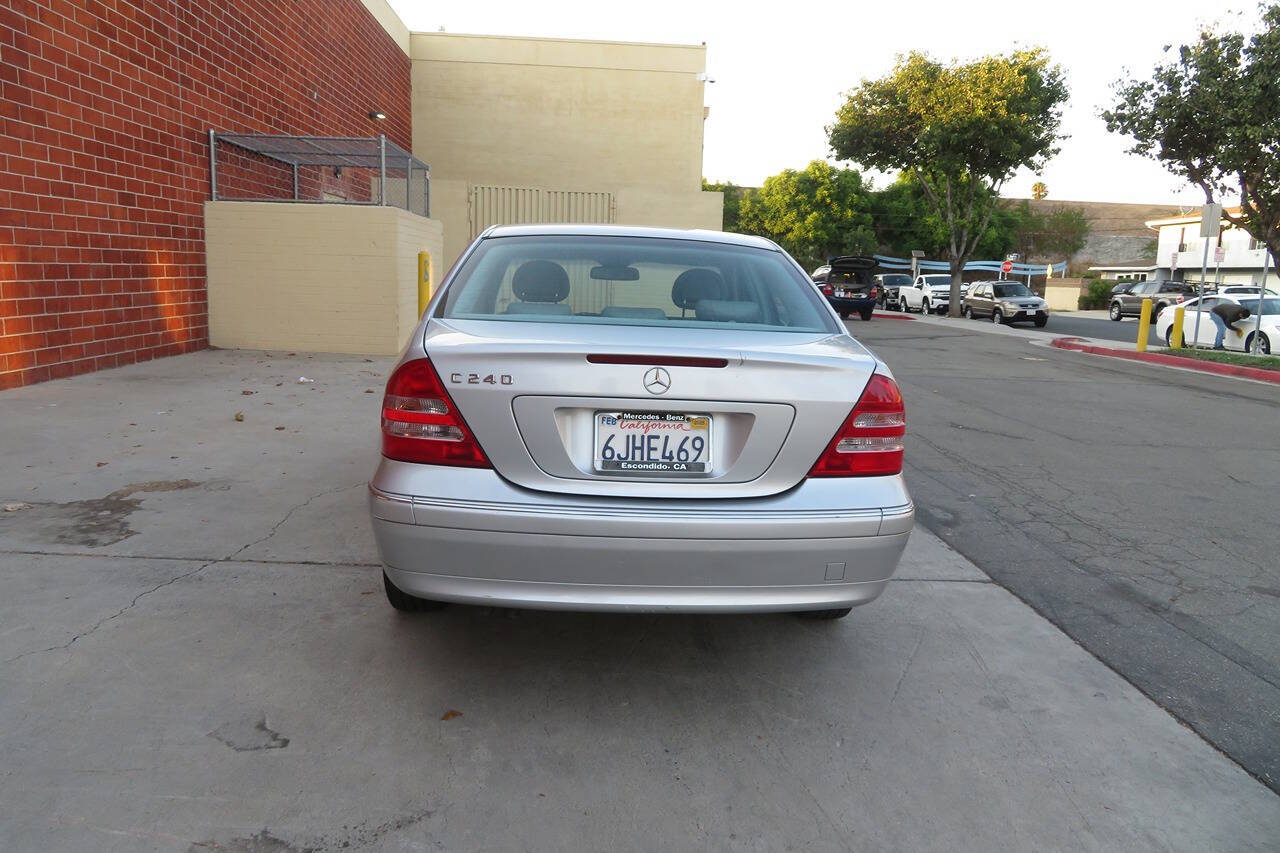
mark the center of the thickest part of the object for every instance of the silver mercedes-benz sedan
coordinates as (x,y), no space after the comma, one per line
(611,418)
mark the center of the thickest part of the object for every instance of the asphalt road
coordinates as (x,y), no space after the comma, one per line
(1100,329)
(1132,505)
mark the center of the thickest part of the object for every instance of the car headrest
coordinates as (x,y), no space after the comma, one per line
(692,286)
(726,311)
(540,281)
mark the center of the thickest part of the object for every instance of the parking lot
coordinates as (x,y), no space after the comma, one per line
(197,656)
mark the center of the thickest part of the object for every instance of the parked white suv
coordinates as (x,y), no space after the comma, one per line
(928,293)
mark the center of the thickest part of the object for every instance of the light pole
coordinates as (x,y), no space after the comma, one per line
(1210,213)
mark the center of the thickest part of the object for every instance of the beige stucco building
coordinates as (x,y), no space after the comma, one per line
(559,130)
(515,130)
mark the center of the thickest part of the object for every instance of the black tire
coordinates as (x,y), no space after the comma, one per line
(1264,342)
(865,314)
(844,315)
(966,312)
(997,316)
(833,613)
(1168,337)
(406,603)
(1041,322)
(1115,312)
(924,306)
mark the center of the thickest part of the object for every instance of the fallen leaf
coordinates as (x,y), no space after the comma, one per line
(450,714)
(103,464)
(246,392)
(279,428)
(240,416)
(369,391)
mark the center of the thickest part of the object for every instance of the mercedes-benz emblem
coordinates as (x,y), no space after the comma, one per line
(657,380)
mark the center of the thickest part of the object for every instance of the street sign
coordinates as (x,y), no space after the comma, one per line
(1006,266)
(1210,220)
(1173,262)
(1219,255)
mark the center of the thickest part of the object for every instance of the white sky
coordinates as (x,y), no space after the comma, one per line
(780,68)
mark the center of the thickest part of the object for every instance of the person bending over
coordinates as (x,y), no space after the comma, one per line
(1224,315)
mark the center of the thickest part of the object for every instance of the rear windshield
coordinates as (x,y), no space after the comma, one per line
(635,281)
(1015,289)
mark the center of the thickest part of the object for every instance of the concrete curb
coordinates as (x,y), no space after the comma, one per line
(1256,373)
(891,315)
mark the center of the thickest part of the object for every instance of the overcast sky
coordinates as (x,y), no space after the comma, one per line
(780,69)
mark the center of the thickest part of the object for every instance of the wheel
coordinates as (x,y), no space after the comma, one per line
(844,315)
(966,312)
(865,314)
(834,613)
(899,305)
(1041,322)
(924,306)
(406,603)
(1115,311)
(997,317)
(1264,343)
(1168,337)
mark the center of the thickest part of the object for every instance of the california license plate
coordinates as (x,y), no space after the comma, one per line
(652,443)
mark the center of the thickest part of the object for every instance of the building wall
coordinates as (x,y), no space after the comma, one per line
(104,166)
(1241,263)
(560,114)
(321,277)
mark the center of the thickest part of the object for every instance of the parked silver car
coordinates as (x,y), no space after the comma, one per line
(608,418)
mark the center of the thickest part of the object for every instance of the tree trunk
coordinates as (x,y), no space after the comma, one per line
(957,278)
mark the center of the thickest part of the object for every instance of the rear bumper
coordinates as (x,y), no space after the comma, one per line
(784,552)
(851,305)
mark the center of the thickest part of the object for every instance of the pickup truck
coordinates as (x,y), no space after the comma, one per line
(928,293)
(847,284)
(889,284)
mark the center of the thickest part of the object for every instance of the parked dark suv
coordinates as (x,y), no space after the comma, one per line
(888,285)
(846,282)
(1162,293)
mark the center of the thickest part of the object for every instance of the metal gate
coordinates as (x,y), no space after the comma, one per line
(498,205)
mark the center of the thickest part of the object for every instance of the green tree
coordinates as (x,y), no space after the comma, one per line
(1212,116)
(1058,233)
(816,213)
(905,220)
(733,195)
(960,130)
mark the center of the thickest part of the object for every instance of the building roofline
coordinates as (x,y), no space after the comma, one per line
(680,45)
(1184,219)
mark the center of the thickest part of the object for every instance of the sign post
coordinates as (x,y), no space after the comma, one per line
(1210,226)
(1256,349)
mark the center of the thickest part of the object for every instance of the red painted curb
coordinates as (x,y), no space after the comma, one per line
(883,315)
(1258,373)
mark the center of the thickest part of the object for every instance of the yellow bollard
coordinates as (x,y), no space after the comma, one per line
(1175,339)
(1144,325)
(424,281)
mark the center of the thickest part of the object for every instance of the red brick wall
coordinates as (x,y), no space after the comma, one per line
(104,163)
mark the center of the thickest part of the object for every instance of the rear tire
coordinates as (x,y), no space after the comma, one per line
(1115,311)
(865,314)
(406,603)
(833,613)
(844,315)
(966,312)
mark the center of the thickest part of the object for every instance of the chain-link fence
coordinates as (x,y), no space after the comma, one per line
(317,169)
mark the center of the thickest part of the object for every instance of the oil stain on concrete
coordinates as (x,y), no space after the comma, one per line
(249,734)
(91,523)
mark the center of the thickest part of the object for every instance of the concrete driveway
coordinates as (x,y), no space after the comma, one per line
(196,655)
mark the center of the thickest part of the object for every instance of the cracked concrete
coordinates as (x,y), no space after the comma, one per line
(247,612)
(1114,521)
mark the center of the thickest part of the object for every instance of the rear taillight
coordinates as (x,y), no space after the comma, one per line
(826,289)
(420,422)
(869,443)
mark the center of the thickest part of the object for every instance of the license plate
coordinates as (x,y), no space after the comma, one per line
(841,294)
(652,443)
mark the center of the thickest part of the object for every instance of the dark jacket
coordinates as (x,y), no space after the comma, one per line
(1230,312)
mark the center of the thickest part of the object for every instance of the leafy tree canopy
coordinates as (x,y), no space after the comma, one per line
(732,201)
(1212,116)
(960,130)
(816,213)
